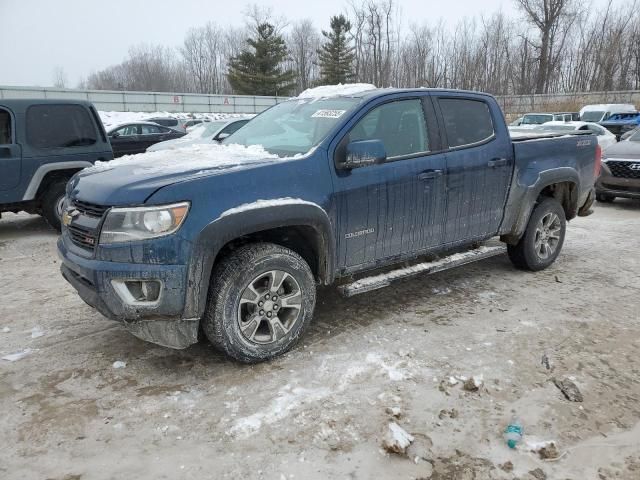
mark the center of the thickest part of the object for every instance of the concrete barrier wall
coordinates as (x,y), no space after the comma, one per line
(517,105)
(107,100)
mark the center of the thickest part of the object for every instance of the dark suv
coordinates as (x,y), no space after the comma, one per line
(43,143)
(620,176)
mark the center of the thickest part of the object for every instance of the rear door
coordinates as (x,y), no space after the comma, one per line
(151,134)
(479,162)
(394,209)
(10,157)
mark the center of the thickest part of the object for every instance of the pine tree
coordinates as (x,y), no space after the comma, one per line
(336,55)
(256,70)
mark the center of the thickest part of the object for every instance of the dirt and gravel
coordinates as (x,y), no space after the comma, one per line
(395,356)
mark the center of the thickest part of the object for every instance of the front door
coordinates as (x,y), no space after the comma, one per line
(126,140)
(479,167)
(10,158)
(392,209)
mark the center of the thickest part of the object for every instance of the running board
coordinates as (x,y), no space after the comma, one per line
(375,282)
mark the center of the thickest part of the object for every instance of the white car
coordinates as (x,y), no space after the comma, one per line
(208,132)
(605,137)
(600,112)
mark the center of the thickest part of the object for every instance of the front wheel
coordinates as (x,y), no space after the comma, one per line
(261,299)
(543,239)
(52,201)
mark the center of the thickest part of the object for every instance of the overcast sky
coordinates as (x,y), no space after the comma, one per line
(82,36)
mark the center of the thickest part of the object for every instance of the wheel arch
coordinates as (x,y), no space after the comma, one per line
(48,173)
(562,184)
(304,228)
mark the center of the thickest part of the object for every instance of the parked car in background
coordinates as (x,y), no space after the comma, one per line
(191,124)
(43,143)
(136,137)
(621,123)
(604,136)
(600,112)
(625,136)
(620,174)
(170,122)
(532,119)
(233,240)
(210,132)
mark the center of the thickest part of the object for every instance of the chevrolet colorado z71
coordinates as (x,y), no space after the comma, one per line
(234,238)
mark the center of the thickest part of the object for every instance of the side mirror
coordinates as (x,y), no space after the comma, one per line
(114,135)
(363,153)
(222,136)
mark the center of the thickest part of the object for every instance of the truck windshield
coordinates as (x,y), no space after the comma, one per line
(294,127)
(593,116)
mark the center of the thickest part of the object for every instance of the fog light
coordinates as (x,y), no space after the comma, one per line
(135,292)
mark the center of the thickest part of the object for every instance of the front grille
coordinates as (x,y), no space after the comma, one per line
(89,209)
(84,229)
(624,169)
(82,237)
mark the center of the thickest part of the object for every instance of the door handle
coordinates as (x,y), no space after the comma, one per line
(497,162)
(5,152)
(430,175)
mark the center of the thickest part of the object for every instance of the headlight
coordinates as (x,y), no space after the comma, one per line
(141,223)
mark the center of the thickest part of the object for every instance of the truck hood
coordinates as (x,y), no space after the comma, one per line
(132,179)
(624,149)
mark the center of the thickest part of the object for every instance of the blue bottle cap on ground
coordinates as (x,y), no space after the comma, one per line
(511,443)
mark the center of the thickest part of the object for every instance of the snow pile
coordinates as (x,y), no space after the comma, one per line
(196,157)
(111,119)
(396,439)
(119,364)
(14,357)
(276,202)
(325,91)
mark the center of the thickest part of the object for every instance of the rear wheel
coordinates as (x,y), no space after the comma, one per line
(261,299)
(604,198)
(52,201)
(543,239)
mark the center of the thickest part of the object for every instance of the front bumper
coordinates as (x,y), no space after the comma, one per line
(159,322)
(608,184)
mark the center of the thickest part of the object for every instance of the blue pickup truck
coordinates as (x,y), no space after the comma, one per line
(323,188)
(43,143)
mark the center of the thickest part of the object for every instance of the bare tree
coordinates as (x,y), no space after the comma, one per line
(203,55)
(550,17)
(59,77)
(303,43)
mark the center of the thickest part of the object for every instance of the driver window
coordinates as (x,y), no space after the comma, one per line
(5,127)
(400,126)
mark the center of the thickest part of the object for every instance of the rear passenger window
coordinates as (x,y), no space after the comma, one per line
(466,121)
(59,126)
(399,125)
(5,127)
(150,129)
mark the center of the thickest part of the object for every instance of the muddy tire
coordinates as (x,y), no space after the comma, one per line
(260,301)
(51,203)
(543,239)
(604,198)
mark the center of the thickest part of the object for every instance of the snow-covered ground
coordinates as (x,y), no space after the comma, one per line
(91,401)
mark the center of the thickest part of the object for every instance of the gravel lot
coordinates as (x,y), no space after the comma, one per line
(320,411)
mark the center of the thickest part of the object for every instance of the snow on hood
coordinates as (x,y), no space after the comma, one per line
(193,158)
(325,91)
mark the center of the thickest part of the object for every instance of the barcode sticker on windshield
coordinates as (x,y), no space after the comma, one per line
(328,113)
